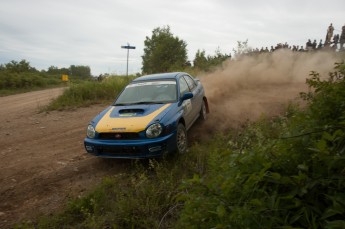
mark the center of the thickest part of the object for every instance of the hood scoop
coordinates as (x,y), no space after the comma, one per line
(131,112)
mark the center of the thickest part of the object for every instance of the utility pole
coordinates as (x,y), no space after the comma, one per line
(128,47)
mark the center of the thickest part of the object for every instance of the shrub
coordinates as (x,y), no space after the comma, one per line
(284,173)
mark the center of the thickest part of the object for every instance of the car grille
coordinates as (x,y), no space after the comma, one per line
(124,150)
(118,136)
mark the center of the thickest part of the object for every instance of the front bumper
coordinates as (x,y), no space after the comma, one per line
(142,148)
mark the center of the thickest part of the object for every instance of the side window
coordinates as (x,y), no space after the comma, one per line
(183,86)
(190,82)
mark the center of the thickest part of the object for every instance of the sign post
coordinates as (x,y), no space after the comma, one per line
(128,47)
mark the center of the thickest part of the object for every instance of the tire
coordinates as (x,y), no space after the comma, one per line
(181,139)
(203,111)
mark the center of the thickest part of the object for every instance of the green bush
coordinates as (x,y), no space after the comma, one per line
(286,173)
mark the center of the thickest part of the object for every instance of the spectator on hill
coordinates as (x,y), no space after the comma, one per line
(335,41)
(342,38)
(329,35)
(314,44)
(320,44)
(308,45)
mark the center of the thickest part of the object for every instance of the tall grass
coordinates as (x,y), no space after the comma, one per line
(12,82)
(86,93)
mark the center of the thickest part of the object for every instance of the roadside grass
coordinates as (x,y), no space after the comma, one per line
(85,93)
(15,83)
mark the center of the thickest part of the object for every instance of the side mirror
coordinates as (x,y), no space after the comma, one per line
(187,95)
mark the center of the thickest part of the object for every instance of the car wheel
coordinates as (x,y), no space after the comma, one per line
(203,111)
(181,139)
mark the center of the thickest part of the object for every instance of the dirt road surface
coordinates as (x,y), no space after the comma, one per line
(42,158)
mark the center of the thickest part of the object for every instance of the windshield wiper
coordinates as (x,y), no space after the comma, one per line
(122,104)
(137,103)
(147,102)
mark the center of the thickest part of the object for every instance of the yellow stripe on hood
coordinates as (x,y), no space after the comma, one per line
(126,124)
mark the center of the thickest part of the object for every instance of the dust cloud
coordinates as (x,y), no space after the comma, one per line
(262,85)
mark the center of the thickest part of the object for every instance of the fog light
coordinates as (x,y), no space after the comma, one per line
(89,148)
(154,149)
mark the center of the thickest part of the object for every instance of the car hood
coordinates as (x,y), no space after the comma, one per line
(133,118)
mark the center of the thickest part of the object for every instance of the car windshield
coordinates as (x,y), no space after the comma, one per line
(146,92)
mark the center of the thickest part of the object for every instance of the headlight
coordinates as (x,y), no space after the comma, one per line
(154,130)
(90,131)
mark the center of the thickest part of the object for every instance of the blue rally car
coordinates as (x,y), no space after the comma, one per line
(149,117)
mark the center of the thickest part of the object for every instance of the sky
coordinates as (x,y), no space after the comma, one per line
(62,33)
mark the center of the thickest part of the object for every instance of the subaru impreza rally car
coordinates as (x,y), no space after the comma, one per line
(149,117)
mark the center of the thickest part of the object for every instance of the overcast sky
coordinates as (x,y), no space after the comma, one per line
(84,32)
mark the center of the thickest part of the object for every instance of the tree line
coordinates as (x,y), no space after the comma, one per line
(21,75)
(23,66)
(165,52)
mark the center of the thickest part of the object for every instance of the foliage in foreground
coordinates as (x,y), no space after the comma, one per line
(288,173)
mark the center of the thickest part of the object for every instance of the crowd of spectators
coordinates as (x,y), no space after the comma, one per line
(332,42)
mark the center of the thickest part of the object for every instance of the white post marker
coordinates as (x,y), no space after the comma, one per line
(128,47)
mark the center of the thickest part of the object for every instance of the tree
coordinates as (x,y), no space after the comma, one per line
(19,67)
(218,58)
(58,71)
(163,52)
(80,72)
(204,63)
(242,48)
(200,60)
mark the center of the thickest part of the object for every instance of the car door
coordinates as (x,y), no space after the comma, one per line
(187,104)
(197,95)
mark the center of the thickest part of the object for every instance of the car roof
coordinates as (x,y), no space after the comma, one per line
(160,76)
